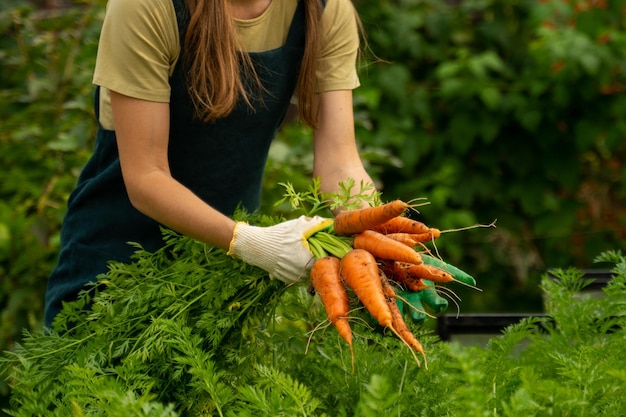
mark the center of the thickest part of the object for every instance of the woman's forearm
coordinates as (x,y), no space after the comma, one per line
(162,198)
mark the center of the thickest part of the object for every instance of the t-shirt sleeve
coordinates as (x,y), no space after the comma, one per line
(137,49)
(339,47)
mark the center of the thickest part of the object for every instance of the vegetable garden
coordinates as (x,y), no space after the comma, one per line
(507,110)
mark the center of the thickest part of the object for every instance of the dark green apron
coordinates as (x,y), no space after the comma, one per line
(221,162)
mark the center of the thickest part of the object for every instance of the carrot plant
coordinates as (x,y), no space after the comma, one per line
(189,331)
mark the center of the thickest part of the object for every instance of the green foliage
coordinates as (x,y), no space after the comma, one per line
(508,110)
(189,331)
(47,128)
(46,61)
(574,355)
(201,300)
(313,201)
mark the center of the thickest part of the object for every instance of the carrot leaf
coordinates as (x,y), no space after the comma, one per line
(310,201)
(313,201)
(348,198)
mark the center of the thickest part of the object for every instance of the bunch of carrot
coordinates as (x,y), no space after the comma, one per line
(372,251)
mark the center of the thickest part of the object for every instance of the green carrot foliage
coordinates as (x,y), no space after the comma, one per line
(189,331)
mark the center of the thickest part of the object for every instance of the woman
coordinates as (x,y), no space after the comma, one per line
(186,120)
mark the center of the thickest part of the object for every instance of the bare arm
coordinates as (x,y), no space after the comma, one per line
(142,130)
(335,149)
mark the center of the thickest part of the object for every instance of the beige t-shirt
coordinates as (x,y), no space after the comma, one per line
(139,46)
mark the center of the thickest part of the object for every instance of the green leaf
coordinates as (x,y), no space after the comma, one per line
(491,97)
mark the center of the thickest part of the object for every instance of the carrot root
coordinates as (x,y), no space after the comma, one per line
(351,222)
(430,272)
(327,282)
(359,271)
(405,238)
(399,325)
(400,272)
(383,247)
(402,224)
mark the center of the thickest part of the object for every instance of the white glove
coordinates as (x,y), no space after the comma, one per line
(281,250)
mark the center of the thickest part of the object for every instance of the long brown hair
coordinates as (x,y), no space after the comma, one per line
(215,65)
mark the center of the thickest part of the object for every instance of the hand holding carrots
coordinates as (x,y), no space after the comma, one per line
(281,250)
(382,257)
(416,301)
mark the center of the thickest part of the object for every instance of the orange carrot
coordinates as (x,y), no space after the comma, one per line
(401,224)
(400,272)
(405,238)
(383,247)
(359,271)
(414,239)
(431,234)
(327,282)
(429,272)
(351,222)
(398,322)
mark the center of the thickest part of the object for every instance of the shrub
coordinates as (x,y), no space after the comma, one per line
(503,110)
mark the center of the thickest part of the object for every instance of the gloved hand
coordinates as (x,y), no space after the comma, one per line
(417,300)
(282,250)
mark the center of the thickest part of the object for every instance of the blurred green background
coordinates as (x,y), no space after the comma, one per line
(491,109)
